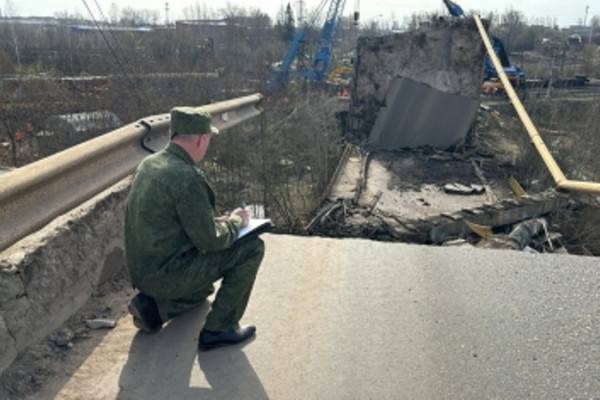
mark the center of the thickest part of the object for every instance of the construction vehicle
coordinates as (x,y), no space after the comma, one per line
(514,73)
(319,66)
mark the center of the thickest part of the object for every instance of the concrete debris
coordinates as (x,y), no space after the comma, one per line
(530,236)
(101,323)
(63,338)
(457,243)
(525,232)
(82,332)
(459,188)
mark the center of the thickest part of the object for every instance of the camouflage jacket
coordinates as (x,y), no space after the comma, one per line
(170,212)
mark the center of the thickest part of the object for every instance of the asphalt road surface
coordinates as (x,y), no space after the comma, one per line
(354,319)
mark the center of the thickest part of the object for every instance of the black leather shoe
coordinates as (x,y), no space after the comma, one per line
(145,313)
(212,340)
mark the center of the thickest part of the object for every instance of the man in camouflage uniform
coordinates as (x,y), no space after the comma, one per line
(175,246)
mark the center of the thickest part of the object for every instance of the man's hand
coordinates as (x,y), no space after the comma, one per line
(221,219)
(243,213)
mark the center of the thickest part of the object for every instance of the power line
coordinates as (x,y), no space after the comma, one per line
(115,39)
(117,59)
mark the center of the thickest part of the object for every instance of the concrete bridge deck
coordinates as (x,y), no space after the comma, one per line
(353,319)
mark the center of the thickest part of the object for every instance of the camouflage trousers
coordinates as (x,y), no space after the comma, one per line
(191,282)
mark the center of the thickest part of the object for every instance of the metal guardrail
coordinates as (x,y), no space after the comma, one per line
(32,196)
(562,183)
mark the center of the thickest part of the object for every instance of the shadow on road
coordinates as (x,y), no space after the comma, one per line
(167,365)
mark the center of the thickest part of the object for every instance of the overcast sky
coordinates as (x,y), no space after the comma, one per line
(566,12)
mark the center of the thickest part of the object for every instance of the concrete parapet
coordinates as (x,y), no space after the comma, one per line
(48,276)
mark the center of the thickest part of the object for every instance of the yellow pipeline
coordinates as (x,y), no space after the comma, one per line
(559,177)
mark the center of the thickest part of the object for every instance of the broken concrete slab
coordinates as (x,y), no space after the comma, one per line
(446,55)
(522,235)
(505,213)
(412,185)
(459,188)
(417,115)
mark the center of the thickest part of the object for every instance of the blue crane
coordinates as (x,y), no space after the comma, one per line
(319,65)
(281,75)
(513,72)
(454,9)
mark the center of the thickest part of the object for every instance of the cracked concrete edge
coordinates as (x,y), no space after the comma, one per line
(436,229)
(48,276)
(446,56)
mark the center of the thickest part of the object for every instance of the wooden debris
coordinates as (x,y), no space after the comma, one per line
(482,231)
(516,188)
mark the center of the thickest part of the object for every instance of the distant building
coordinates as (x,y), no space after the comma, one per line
(39,21)
(222,35)
(94,29)
(584,32)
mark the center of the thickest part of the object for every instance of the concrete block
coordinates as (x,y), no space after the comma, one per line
(48,276)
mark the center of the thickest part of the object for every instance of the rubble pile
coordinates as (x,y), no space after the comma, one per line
(429,164)
(432,196)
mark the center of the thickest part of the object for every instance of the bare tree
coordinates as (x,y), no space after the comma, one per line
(137,17)
(231,11)
(198,11)
(512,23)
(10,10)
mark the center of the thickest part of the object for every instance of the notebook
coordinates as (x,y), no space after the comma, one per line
(255,227)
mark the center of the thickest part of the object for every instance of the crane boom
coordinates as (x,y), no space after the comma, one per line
(319,66)
(282,75)
(320,63)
